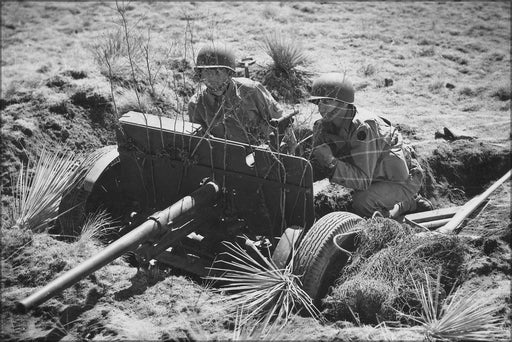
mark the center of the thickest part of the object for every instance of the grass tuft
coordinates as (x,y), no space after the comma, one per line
(267,296)
(96,225)
(502,92)
(286,53)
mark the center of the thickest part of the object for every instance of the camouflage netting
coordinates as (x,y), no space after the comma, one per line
(379,279)
(460,169)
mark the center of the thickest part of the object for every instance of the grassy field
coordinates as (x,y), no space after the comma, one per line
(422,65)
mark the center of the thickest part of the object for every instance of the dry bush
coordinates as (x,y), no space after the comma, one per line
(377,281)
(501,91)
(436,87)
(368,70)
(468,91)
(287,54)
(286,79)
(427,51)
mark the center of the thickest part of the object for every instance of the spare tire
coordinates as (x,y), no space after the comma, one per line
(318,260)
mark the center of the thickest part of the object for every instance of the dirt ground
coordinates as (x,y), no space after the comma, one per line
(422,65)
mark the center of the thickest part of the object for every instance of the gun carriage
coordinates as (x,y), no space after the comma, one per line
(178,195)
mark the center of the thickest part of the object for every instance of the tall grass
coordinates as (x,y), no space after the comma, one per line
(267,296)
(38,189)
(286,53)
(96,225)
(466,316)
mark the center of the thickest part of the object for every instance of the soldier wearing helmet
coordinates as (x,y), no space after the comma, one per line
(234,108)
(364,152)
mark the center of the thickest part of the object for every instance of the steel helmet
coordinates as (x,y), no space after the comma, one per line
(215,56)
(332,86)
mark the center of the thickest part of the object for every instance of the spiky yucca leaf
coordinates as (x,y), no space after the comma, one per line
(269,296)
(462,316)
(286,53)
(37,192)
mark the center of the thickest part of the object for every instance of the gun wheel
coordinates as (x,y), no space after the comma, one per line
(104,194)
(318,259)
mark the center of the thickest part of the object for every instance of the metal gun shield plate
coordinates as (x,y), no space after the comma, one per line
(163,161)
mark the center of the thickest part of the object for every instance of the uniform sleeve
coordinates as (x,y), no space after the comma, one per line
(365,150)
(267,106)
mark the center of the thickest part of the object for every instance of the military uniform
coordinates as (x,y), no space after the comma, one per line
(371,158)
(241,114)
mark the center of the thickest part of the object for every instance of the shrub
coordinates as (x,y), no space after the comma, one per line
(286,53)
(467,91)
(427,52)
(436,86)
(502,92)
(368,70)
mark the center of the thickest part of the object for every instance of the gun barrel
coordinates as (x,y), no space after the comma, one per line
(205,195)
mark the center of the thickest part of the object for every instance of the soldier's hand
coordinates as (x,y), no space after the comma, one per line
(323,155)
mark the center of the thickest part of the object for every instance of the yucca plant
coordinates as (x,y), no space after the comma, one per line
(286,53)
(268,296)
(466,316)
(39,188)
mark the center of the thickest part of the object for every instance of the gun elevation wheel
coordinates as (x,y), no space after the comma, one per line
(318,259)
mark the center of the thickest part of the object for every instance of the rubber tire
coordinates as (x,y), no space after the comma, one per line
(78,203)
(318,260)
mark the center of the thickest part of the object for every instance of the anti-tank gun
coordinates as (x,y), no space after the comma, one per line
(179,195)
